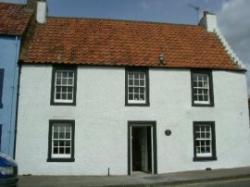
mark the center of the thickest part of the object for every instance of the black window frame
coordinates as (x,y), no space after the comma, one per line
(138,69)
(1,87)
(212,125)
(72,158)
(211,89)
(63,67)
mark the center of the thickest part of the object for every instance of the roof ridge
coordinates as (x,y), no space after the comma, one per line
(122,20)
(12,3)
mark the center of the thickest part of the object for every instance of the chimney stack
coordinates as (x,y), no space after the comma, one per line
(41,12)
(209,21)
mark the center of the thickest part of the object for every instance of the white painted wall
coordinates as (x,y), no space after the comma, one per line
(101,121)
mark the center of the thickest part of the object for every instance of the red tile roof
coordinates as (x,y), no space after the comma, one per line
(13,19)
(124,43)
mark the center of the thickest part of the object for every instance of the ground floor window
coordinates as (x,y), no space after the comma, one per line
(61,140)
(204,141)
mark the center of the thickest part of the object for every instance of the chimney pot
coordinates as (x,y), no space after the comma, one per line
(162,58)
(209,21)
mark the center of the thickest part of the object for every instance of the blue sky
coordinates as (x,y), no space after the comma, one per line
(233,15)
(176,11)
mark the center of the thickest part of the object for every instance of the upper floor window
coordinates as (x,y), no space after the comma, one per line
(204,141)
(63,86)
(1,87)
(137,86)
(61,140)
(202,88)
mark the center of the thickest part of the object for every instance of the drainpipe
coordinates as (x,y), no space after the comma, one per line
(17,108)
(14,109)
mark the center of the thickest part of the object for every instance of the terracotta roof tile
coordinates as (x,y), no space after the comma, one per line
(124,43)
(13,18)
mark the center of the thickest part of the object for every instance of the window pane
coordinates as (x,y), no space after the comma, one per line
(55,150)
(57,96)
(58,81)
(136,97)
(70,81)
(136,82)
(56,143)
(70,75)
(136,75)
(130,96)
(64,89)
(55,135)
(58,74)
(61,143)
(70,96)
(61,150)
(67,150)
(67,134)
(136,89)
(141,82)
(142,97)
(67,143)
(64,81)
(63,96)
(64,74)
(142,75)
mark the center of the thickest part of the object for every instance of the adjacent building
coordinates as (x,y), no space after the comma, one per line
(117,97)
(13,23)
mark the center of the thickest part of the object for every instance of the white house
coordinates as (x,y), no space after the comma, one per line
(101,97)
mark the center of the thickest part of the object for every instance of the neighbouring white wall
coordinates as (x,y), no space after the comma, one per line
(101,120)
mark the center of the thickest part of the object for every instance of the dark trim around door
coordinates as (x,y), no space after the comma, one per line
(143,123)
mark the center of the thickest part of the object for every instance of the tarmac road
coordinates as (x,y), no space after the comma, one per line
(243,182)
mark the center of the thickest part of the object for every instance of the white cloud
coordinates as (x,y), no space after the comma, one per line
(234,22)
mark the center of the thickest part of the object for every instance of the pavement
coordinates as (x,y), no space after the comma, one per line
(137,180)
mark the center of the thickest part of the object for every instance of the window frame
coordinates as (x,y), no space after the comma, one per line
(211,90)
(137,69)
(61,159)
(213,139)
(52,99)
(1,86)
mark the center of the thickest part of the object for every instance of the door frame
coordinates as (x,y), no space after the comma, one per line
(153,140)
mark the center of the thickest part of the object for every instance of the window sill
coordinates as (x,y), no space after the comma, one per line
(136,104)
(63,104)
(60,159)
(202,159)
(202,105)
